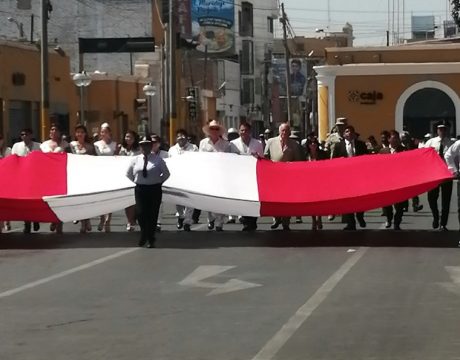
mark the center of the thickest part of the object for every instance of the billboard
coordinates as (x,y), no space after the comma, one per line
(213,25)
(298,75)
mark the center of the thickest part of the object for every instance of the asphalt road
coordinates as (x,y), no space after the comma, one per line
(370,294)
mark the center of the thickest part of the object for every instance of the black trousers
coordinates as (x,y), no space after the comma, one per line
(148,201)
(398,213)
(250,222)
(350,220)
(446,193)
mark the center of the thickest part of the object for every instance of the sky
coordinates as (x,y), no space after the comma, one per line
(368,17)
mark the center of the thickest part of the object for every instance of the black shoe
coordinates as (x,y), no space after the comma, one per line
(36,226)
(275,224)
(180,223)
(151,244)
(362,223)
(27,228)
(187,227)
(211,225)
(158,228)
(397,227)
(249,228)
(417,208)
(388,225)
(443,228)
(286,228)
(142,242)
(435,223)
(349,227)
(219,228)
(231,221)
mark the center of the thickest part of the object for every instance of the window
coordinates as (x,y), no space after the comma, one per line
(247,58)
(245,17)
(247,93)
(270,25)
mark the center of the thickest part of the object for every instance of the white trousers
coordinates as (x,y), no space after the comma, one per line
(217,218)
(185,213)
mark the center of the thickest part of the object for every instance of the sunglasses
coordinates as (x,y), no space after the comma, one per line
(24,134)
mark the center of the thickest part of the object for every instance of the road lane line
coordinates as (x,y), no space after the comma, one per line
(66,272)
(272,347)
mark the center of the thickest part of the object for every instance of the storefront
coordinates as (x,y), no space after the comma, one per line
(407,87)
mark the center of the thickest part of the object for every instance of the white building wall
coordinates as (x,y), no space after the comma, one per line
(71,19)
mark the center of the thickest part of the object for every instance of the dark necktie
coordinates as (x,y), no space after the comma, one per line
(441,150)
(144,170)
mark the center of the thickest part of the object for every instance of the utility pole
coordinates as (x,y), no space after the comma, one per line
(283,21)
(172,71)
(44,99)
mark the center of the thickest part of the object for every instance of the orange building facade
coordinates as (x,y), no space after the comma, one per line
(112,99)
(408,87)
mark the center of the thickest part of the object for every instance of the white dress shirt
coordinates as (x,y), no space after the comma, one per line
(435,143)
(452,157)
(104,149)
(157,171)
(350,146)
(21,149)
(221,145)
(177,150)
(254,147)
(51,146)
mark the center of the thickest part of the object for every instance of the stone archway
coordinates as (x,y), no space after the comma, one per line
(425,103)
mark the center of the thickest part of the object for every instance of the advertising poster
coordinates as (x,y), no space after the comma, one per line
(213,25)
(298,76)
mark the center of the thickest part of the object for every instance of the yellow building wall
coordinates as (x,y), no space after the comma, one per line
(26,60)
(372,119)
(113,101)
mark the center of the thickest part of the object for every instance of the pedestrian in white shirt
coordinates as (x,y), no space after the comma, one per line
(184,214)
(248,146)
(105,147)
(440,144)
(55,144)
(214,142)
(452,158)
(24,148)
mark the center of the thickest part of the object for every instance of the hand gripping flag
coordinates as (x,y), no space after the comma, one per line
(65,187)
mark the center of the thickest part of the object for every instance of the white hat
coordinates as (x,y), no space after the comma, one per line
(341,121)
(213,124)
(427,135)
(145,140)
(232,131)
(105,126)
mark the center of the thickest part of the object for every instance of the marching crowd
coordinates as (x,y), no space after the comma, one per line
(148,169)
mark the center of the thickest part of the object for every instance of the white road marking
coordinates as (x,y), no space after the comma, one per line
(195,279)
(272,347)
(454,273)
(66,272)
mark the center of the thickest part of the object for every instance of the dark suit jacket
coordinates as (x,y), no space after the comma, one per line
(340,149)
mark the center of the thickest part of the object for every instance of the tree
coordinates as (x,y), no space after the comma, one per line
(456,11)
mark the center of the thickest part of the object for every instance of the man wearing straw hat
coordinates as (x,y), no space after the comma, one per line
(214,142)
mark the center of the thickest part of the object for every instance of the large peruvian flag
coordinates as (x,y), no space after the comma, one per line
(65,187)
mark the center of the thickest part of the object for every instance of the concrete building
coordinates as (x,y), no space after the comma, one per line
(408,87)
(71,19)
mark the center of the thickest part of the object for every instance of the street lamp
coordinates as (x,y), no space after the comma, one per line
(19,25)
(150,91)
(82,80)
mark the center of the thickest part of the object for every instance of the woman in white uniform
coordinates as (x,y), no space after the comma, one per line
(105,147)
